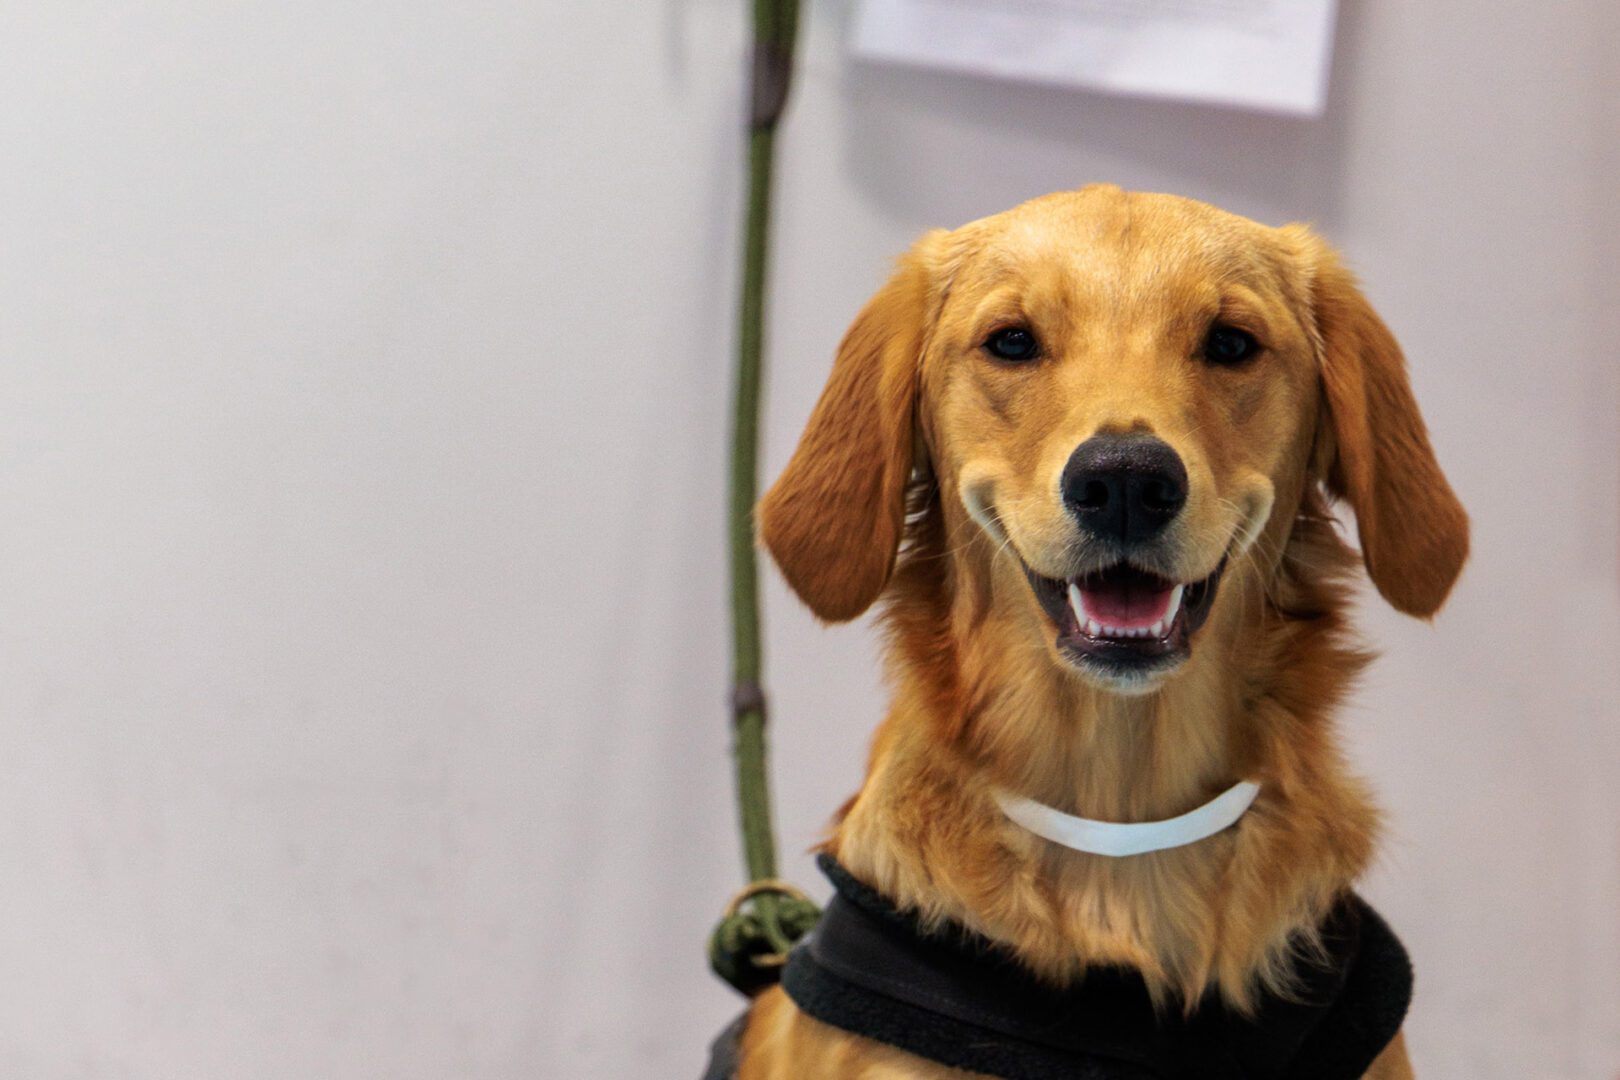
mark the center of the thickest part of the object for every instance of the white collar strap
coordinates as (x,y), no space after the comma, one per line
(1134,838)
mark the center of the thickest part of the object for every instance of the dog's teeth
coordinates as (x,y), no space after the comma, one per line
(1077,605)
(1156,630)
(1174,607)
(1093,628)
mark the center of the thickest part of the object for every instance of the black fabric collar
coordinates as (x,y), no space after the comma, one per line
(961,1000)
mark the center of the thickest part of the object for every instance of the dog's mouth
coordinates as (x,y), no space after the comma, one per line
(1125,621)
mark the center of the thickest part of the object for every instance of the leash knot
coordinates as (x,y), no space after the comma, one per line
(760,925)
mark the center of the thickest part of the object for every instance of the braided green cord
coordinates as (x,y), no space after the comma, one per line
(769,923)
(775,30)
(753,795)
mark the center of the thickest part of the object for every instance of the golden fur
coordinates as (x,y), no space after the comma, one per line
(928,473)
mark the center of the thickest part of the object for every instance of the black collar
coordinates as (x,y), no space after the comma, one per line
(961,1000)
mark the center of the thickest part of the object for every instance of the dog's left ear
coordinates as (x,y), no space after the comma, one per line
(833,520)
(1414,532)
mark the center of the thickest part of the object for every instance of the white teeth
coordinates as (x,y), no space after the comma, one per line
(1093,628)
(1173,608)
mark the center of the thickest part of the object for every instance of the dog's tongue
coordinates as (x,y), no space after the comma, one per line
(1126,598)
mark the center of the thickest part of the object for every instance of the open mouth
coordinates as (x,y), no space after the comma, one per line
(1125,620)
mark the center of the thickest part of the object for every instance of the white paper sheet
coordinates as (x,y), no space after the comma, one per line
(1261,54)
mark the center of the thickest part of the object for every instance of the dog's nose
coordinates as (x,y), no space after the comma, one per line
(1124,487)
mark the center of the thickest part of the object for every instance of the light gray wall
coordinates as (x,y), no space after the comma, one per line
(362,415)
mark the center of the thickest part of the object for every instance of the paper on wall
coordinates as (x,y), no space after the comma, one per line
(1261,54)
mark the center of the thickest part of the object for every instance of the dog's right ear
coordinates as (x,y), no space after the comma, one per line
(833,520)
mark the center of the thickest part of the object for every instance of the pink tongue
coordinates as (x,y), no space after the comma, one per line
(1126,600)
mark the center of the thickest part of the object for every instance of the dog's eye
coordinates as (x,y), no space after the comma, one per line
(1014,343)
(1227,346)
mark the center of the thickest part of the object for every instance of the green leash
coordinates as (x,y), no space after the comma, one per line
(762,921)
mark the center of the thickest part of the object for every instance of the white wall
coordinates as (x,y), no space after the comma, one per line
(362,415)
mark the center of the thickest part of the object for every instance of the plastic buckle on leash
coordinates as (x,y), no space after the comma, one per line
(760,925)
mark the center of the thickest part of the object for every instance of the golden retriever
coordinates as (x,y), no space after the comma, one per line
(1084,451)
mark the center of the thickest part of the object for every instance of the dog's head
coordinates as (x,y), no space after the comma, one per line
(1127,394)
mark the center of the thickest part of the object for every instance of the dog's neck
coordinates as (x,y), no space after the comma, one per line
(980,703)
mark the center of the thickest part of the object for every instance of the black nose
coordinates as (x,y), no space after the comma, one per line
(1124,487)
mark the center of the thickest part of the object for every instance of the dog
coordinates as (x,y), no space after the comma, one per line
(1086,452)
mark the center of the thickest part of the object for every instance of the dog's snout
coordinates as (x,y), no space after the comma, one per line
(1124,487)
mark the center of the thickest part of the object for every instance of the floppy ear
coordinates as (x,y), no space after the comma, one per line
(1414,532)
(834,518)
